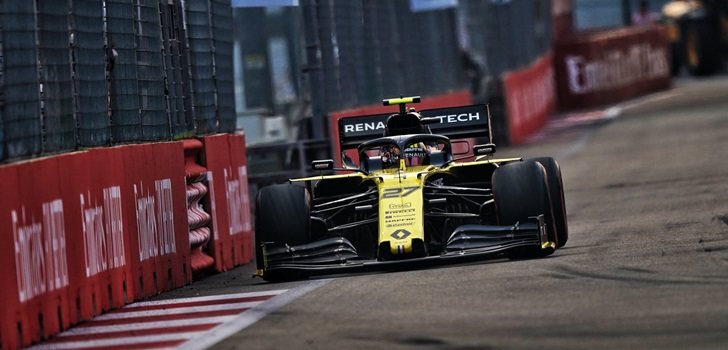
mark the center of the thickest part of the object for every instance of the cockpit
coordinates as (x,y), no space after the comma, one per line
(405,150)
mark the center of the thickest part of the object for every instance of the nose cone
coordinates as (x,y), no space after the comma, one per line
(400,212)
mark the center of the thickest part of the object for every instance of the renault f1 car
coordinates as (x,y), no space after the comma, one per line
(410,200)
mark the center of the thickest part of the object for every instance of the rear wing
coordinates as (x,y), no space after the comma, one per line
(453,122)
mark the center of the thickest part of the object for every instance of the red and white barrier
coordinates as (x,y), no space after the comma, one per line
(35,276)
(87,232)
(156,209)
(602,67)
(239,199)
(530,98)
(230,200)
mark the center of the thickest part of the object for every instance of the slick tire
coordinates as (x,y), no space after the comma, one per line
(282,215)
(521,191)
(556,194)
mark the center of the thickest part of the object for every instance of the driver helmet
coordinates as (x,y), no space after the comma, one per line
(390,156)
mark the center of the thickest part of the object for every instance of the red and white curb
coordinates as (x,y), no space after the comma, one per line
(185,323)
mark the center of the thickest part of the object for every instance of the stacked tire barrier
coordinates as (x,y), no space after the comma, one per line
(602,67)
(198,219)
(87,232)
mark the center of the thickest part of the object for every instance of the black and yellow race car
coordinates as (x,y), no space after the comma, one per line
(410,201)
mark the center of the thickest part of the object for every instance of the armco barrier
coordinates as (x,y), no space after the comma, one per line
(601,67)
(530,98)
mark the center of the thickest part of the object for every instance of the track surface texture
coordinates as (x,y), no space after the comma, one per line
(646,265)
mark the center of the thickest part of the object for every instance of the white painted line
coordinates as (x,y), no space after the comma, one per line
(206,298)
(177,310)
(612,113)
(117,341)
(649,99)
(576,145)
(249,317)
(145,325)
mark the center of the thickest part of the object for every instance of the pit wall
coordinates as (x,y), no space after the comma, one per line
(595,68)
(87,232)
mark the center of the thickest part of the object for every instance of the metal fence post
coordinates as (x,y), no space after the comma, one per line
(89,73)
(314,69)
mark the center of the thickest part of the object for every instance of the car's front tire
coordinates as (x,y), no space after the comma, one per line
(556,194)
(282,215)
(521,191)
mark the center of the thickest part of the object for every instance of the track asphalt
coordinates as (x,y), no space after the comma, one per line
(646,265)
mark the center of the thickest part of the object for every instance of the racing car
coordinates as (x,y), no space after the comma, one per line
(411,199)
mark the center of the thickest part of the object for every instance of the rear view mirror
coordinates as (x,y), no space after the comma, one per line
(348,162)
(321,165)
(484,150)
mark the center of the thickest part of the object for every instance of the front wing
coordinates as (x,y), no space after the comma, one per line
(337,255)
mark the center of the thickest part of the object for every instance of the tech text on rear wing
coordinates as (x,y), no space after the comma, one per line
(454,122)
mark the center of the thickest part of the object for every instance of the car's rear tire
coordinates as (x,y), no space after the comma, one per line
(282,215)
(556,194)
(521,191)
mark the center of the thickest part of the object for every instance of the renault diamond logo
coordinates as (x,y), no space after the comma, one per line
(400,234)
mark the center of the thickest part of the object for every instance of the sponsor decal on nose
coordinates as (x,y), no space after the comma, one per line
(400,234)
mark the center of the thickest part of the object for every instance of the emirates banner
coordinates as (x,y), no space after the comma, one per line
(598,68)
(530,98)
